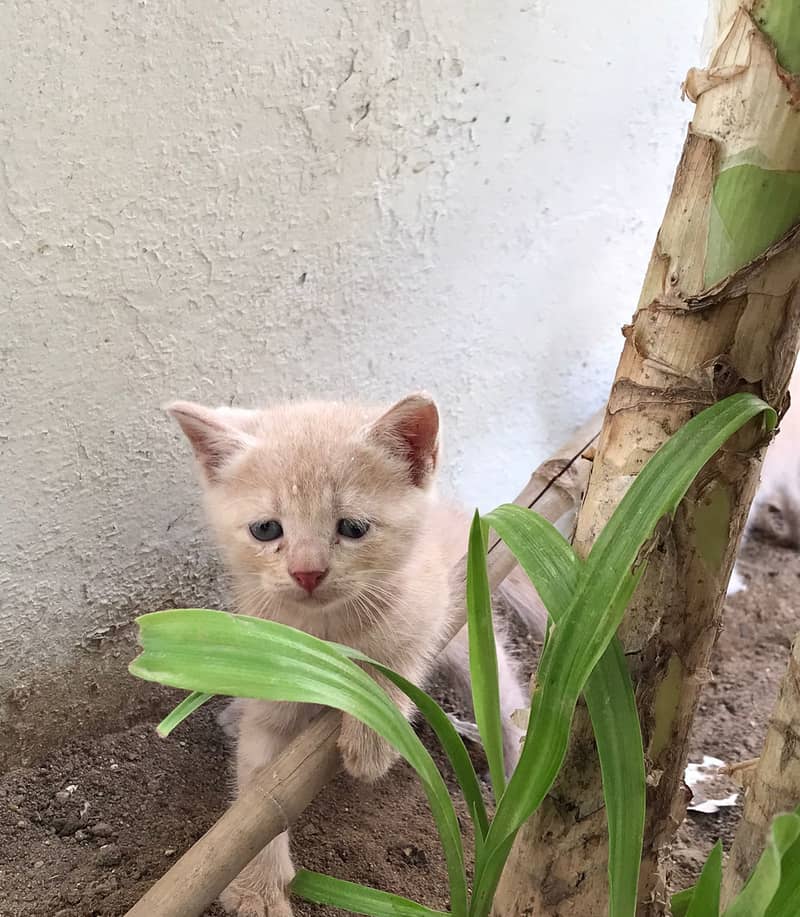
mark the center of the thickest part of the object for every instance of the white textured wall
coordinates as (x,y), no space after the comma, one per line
(259,199)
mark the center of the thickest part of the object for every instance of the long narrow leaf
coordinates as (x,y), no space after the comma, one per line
(450,740)
(219,653)
(705,898)
(764,885)
(786,900)
(579,640)
(680,902)
(185,708)
(554,568)
(483,657)
(357,899)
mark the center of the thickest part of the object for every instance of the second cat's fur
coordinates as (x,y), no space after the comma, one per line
(776,507)
(328,520)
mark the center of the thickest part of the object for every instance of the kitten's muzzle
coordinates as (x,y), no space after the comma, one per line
(308,579)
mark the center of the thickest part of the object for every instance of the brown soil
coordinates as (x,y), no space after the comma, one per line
(88,830)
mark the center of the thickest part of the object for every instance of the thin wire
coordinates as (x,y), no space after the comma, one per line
(555,478)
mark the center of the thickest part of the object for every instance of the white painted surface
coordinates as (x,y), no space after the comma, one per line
(251,200)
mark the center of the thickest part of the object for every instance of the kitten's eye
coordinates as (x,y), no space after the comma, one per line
(352,528)
(266,530)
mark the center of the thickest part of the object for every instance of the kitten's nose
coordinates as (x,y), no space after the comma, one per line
(308,579)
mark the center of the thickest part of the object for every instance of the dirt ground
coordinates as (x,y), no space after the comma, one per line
(87,831)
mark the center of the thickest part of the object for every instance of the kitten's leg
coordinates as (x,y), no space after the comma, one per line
(512,698)
(455,662)
(366,755)
(229,717)
(260,889)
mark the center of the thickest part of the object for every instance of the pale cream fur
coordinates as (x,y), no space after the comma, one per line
(388,594)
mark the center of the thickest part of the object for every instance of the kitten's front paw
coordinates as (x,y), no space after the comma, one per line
(244,901)
(365,754)
(229,718)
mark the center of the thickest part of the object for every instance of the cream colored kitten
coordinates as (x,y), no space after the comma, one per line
(328,521)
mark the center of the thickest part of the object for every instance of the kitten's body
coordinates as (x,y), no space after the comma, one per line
(310,467)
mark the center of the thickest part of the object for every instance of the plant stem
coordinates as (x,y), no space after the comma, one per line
(719,312)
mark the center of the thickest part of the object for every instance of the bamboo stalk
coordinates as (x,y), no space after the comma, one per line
(719,312)
(774,786)
(284,787)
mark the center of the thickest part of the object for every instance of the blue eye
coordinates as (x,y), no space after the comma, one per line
(266,530)
(352,528)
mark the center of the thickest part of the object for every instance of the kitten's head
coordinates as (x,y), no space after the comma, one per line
(314,504)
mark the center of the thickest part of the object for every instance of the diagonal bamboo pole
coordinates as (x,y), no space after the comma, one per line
(287,785)
(719,312)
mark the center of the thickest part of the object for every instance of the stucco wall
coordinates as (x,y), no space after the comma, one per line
(253,200)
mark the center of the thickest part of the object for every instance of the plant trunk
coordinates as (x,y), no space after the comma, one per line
(719,313)
(774,787)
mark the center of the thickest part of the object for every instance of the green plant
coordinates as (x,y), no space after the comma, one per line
(773,889)
(217,653)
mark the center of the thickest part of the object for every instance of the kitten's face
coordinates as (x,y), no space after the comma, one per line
(315,505)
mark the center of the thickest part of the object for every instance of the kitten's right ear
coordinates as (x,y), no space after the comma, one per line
(411,430)
(214,437)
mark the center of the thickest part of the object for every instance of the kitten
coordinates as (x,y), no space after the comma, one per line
(776,507)
(328,521)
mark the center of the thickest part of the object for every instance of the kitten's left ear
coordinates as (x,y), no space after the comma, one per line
(411,430)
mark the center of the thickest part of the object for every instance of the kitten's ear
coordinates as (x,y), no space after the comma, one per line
(214,434)
(411,430)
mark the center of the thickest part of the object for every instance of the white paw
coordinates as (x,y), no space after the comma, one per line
(244,901)
(365,754)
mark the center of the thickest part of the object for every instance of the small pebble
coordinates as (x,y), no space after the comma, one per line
(21,824)
(101,829)
(170,852)
(62,796)
(67,826)
(71,894)
(38,864)
(109,855)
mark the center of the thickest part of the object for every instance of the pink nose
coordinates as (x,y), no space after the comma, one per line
(308,579)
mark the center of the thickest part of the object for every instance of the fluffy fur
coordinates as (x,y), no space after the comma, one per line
(388,593)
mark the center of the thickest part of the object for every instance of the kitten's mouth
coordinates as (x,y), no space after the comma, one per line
(317,599)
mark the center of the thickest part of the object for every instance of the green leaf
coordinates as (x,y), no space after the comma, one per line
(449,739)
(580,639)
(219,653)
(483,657)
(185,708)
(780,20)
(681,901)
(772,889)
(786,901)
(705,897)
(752,208)
(554,568)
(358,899)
